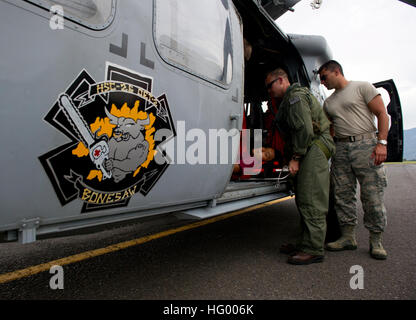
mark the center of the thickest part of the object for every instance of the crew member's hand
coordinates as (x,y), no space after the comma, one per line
(379,154)
(293,167)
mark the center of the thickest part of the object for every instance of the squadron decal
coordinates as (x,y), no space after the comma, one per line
(113,129)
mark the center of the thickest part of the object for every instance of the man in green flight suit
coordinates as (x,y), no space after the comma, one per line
(309,144)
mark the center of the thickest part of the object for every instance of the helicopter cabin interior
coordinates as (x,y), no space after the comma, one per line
(266,48)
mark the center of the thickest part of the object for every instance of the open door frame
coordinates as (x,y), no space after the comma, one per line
(394,109)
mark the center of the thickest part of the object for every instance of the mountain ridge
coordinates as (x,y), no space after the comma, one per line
(409,137)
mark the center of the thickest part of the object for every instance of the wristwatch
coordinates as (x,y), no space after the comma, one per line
(382,142)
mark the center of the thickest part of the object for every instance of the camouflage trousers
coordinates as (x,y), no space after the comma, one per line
(353,162)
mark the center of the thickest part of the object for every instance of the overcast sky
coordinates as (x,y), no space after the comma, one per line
(374,40)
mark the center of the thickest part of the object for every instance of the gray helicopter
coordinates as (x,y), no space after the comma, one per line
(118,110)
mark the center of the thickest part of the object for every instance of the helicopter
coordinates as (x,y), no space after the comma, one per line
(114,111)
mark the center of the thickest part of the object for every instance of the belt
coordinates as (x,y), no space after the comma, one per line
(323,147)
(355,138)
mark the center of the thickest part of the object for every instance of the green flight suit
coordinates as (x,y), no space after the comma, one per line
(305,127)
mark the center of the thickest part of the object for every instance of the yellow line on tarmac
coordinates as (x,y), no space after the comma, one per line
(18,274)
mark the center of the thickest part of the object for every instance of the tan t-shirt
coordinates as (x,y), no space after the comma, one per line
(348,110)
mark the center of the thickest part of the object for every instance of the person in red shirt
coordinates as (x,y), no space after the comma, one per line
(273,145)
(271,152)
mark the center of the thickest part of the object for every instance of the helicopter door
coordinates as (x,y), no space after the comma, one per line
(395,137)
(201,44)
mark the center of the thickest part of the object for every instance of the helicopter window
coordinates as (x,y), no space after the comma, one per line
(95,14)
(196,37)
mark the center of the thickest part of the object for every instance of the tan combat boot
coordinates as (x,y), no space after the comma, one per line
(346,242)
(376,248)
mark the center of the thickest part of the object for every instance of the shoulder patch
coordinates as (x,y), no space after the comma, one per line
(294,100)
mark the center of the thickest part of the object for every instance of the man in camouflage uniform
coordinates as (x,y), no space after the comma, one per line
(360,154)
(309,145)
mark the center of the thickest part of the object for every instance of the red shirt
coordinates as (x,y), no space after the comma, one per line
(273,138)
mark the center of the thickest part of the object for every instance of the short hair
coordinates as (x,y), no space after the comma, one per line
(278,72)
(331,65)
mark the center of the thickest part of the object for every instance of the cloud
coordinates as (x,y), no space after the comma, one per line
(372,39)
